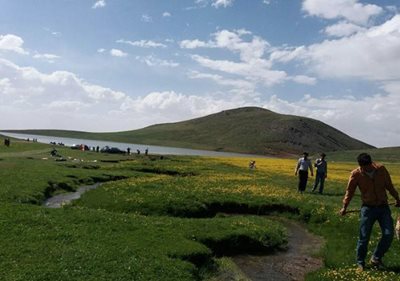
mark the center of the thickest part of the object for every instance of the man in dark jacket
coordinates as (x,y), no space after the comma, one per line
(321,173)
(373,180)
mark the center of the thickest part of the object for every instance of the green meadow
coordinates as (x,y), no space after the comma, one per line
(166,219)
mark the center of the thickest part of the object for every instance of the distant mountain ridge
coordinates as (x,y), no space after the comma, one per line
(246,130)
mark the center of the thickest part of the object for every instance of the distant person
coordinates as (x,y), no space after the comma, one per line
(97,148)
(146,152)
(321,173)
(54,152)
(373,180)
(302,167)
(252,165)
(138,151)
(7,142)
(128,151)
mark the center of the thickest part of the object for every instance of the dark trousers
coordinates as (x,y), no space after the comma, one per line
(303,176)
(319,180)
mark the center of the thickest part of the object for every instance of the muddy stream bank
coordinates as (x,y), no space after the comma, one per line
(290,265)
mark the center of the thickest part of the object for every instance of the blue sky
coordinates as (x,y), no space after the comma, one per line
(114,65)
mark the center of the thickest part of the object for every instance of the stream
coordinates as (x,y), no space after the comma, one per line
(290,265)
(60,200)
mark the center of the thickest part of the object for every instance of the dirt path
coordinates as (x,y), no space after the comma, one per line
(290,265)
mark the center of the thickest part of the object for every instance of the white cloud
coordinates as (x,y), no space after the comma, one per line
(194,44)
(146,18)
(222,3)
(256,71)
(101,50)
(117,53)
(29,87)
(267,2)
(48,57)
(372,54)
(153,61)
(252,66)
(99,4)
(286,54)
(166,14)
(303,79)
(13,43)
(236,83)
(169,106)
(214,3)
(343,28)
(350,10)
(143,43)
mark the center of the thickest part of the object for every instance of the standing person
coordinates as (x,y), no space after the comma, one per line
(321,173)
(373,180)
(302,167)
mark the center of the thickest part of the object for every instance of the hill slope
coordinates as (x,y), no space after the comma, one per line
(247,130)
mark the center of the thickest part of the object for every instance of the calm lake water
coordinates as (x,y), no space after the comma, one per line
(162,150)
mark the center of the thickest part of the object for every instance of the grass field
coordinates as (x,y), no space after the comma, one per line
(158,219)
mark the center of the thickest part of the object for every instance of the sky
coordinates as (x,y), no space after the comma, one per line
(115,65)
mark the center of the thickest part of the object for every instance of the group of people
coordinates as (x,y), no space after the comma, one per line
(304,165)
(374,181)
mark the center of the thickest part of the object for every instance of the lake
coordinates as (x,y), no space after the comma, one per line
(153,149)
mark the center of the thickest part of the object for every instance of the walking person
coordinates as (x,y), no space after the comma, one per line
(373,180)
(321,173)
(302,167)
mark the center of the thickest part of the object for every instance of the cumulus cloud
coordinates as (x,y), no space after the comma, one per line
(99,4)
(47,57)
(193,44)
(237,83)
(117,53)
(31,99)
(166,15)
(252,66)
(214,3)
(372,54)
(343,28)
(170,106)
(146,18)
(303,79)
(12,43)
(143,43)
(62,100)
(153,61)
(222,3)
(350,10)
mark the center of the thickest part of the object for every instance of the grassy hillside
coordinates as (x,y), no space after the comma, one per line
(387,154)
(246,130)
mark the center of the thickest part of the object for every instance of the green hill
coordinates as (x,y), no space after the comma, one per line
(246,130)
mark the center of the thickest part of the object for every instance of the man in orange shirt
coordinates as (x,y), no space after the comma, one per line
(373,180)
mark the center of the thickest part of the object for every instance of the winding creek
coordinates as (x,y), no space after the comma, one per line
(58,201)
(290,265)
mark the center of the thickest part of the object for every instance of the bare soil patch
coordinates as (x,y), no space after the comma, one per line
(290,265)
